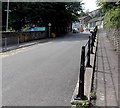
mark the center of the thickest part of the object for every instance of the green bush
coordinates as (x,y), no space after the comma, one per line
(92,95)
(83,104)
(112,18)
(86,103)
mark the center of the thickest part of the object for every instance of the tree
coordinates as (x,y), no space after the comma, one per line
(111,11)
(41,13)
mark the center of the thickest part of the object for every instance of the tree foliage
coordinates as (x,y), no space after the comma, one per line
(111,10)
(83,14)
(40,13)
(112,18)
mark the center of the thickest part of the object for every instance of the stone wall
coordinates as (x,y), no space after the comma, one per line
(13,37)
(114,36)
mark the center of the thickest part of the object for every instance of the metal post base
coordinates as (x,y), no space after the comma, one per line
(92,52)
(88,65)
(81,98)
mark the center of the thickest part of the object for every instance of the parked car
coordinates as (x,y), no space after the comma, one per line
(75,30)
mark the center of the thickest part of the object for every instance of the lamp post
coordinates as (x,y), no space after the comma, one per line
(7,15)
(49,28)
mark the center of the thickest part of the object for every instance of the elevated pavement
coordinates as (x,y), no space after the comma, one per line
(106,73)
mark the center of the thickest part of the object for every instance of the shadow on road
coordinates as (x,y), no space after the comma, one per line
(63,38)
(71,37)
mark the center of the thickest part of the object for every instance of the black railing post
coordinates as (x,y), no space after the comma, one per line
(92,44)
(80,94)
(94,34)
(96,30)
(93,37)
(88,54)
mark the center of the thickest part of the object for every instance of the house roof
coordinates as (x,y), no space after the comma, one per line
(83,17)
(96,19)
(94,10)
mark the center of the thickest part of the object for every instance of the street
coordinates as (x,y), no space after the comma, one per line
(44,74)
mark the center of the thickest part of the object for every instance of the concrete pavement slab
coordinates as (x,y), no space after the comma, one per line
(106,73)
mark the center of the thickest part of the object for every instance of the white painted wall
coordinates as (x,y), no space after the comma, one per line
(75,25)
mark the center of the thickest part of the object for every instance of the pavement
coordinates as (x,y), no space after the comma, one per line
(106,72)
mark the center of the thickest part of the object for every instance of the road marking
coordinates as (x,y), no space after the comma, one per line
(13,52)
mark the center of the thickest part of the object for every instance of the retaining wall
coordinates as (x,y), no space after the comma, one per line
(114,37)
(24,36)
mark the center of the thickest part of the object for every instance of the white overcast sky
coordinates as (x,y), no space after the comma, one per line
(89,4)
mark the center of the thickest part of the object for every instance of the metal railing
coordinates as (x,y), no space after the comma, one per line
(6,45)
(85,62)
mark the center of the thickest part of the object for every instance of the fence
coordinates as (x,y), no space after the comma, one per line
(85,62)
(10,42)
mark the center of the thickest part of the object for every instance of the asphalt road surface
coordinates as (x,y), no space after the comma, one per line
(44,74)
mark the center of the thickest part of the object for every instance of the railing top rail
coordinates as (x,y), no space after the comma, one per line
(87,43)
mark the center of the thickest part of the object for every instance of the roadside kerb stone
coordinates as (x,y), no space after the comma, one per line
(88,78)
(89,74)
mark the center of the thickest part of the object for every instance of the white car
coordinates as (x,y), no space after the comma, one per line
(92,29)
(75,30)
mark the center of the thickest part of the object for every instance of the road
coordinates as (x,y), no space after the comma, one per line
(44,74)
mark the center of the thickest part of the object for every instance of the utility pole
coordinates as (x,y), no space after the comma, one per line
(7,15)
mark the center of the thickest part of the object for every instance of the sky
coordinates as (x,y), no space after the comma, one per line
(89,4)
